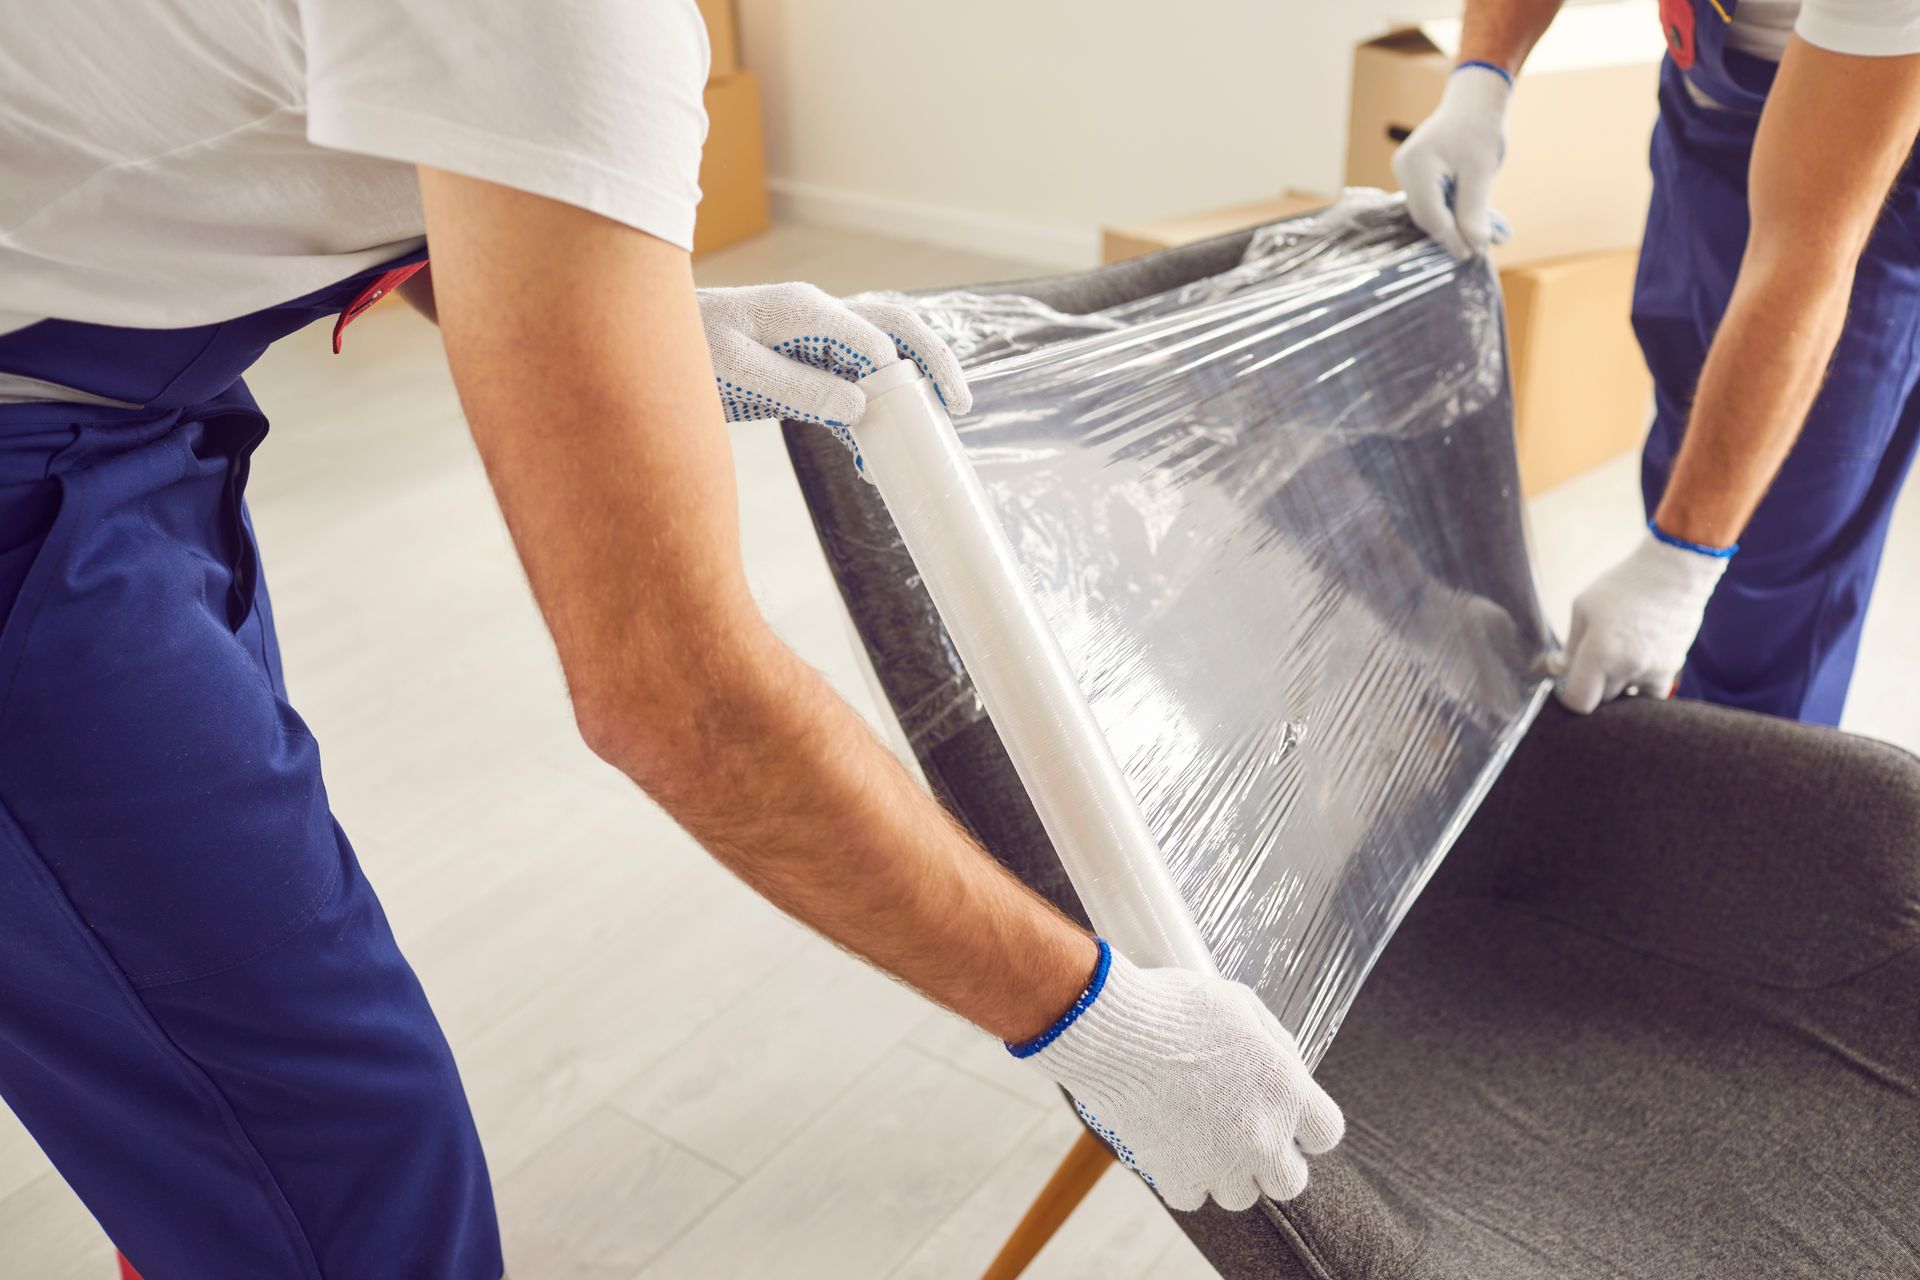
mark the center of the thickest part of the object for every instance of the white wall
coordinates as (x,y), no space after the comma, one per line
(1022,126)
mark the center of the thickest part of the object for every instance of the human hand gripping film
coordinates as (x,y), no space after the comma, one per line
(792,351)
(1192,1081)
(1447,165)
(1633,627)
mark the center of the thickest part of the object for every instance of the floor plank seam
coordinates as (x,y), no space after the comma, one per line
(960,1203)
(978,1077)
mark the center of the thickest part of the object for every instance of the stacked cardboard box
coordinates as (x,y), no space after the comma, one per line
(733,168)
(1574,187)
(1581,392)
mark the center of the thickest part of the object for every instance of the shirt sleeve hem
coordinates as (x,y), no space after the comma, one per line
(1857,39)
(390,134)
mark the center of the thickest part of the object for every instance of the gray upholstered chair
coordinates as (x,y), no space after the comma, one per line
(1658,1014)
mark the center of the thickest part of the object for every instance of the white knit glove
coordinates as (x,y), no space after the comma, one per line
(1632,628)
(1192,1081)
(1446,166)
(792,351)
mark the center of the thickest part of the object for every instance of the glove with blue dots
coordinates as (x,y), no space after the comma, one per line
(793,351)
(1192,1081)
(1633,627)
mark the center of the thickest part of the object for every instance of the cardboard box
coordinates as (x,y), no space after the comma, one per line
(720,35)
(1120,243)
(733,167)
(1581,391)
(1575,178)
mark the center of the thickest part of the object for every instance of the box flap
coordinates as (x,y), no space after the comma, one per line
(1405,40)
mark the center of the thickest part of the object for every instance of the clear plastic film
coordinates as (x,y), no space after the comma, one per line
(1271,515)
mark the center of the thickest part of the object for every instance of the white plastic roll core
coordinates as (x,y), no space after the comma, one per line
(914,458)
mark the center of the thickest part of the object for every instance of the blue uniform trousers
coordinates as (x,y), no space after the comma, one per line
(204,1019)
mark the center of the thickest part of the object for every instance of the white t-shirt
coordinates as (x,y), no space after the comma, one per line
(167,163)
(1870,28)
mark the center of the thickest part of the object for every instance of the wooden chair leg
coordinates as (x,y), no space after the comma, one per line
(1057,1200)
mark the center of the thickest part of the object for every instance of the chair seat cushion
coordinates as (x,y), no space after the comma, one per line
(1658,1015)
(1537,1101)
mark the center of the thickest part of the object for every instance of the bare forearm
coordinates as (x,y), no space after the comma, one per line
(1759,382)
(784,784)
(1504,32)
(1835,132)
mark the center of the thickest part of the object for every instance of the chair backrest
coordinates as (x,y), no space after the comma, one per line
(1265,490)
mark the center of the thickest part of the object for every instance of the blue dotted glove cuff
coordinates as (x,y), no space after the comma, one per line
(1484,65)
(1027,1048)
(1718,553)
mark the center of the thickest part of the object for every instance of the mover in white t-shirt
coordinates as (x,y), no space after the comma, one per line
(1777,304)
(205,1022)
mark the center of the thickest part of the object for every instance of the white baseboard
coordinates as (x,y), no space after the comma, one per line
(1061,248)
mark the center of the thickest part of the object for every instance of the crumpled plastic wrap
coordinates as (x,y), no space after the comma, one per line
(1272,515)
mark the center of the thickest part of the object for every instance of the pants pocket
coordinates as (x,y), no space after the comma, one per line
(37,515)
(176,799)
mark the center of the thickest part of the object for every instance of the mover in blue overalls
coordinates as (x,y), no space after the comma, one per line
(1778,307)
(204,1018)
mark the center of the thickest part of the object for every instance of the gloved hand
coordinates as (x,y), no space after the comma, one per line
(792,351)
(1446,166)
(1632,628)
(1192,1081)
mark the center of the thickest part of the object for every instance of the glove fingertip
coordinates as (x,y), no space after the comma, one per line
(1239,1196)
(1476,234)
(1286,1178)
(1323,1125)
(1445,232)
(937,365)
(1182,1199)
(845,405)
(957,397)
(1657,684)
(1427,205)
(1579,694)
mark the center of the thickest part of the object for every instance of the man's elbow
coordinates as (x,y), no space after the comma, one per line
(679,722)
(649,733)
(693,761)
(611,725)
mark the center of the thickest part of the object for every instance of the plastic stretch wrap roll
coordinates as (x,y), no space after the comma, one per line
(1271,516)
(1024,679)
